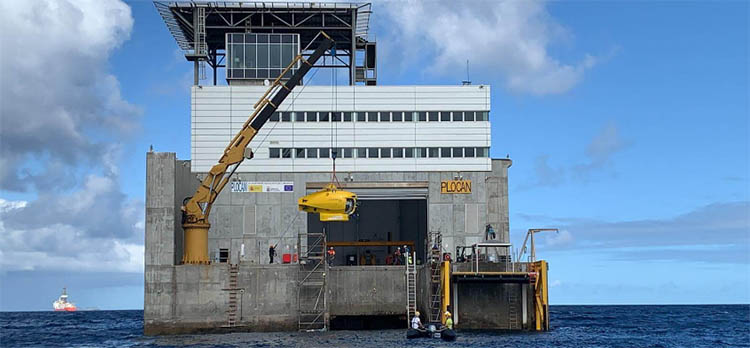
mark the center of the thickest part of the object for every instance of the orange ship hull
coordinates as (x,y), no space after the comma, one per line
(69,309)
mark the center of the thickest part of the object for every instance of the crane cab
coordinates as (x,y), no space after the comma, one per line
(330,203)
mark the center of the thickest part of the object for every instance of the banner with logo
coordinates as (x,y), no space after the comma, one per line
(271,186)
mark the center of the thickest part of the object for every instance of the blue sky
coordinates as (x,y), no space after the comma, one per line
(627,123)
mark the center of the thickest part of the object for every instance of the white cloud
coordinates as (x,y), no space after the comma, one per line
(59,106)
(558,239)
(511,39)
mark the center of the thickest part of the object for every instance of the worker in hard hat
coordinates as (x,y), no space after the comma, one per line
(416,323)
(448,320)
(331,256)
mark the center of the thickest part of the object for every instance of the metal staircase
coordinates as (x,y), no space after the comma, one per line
(311,294)
(234,291)
(436,286)
(411,287)
(512,310)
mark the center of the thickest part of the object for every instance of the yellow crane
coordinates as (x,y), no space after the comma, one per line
(331,203)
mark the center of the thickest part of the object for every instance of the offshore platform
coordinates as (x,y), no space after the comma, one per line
(235,240)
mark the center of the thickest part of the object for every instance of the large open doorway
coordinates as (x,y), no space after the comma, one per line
(376,221)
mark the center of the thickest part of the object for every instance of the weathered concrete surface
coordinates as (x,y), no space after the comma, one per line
(367,290)
(485,305)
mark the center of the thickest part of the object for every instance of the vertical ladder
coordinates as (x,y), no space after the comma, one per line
(512,309)
(233,290)
(411,287)
(436,290)
(311,294)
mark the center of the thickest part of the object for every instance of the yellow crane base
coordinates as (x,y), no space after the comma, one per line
(196,243)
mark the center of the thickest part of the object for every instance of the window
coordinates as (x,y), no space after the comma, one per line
(372,152)
(408,116)
(323,116)
(347,117)
(409,152)
(458,152)
(445,152)
(299,117)
(482,152)
(312,153)
(385,116)
(385,152)
(433,116)
(468,152)
(445,116)
(275,117)
(372,117)
(397,116)
(223,255)
(422,116)
(312,116)
(286,117)
(398,152)
(324,152)
(361,152)
(336,116)
(458,116)
(274,152)
(347,152)
(434,152)
(299,153)
(482,116)
(422,152)
(286,153)
(361,116)
(468,116)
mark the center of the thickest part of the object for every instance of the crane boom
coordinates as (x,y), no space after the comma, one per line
(197,209)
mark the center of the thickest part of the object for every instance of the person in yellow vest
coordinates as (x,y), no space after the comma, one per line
(448,320)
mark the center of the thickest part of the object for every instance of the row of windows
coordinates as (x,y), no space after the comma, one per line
(260,55)
(379,116)
(379,152)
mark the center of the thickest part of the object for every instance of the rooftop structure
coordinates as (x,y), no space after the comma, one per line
(202,29)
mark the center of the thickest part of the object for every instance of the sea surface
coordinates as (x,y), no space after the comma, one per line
(572,327)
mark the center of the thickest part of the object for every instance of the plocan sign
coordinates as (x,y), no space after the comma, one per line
(455,186)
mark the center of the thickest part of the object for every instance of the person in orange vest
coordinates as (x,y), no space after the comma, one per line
(331,256)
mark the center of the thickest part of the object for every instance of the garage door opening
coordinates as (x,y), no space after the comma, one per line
(376,221)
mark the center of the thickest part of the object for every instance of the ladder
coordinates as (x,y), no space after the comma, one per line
(512,310)
(233,291)
(436,286)
(411,288)
(311,294)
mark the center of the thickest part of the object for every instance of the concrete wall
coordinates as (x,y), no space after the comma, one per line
(485,305)
(182,298)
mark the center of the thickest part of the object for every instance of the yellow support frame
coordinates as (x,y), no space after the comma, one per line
(446,279)
(541,295)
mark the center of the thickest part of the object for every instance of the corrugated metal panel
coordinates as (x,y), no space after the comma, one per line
(218,112)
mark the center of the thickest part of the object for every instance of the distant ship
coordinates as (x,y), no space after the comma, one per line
(62,304)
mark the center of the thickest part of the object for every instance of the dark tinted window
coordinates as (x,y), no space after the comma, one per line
(372,152)
(324,152)
(286,153)
(468,116)
(361,152)
(323,116)
(445,152)
(286,117)
(422,116)
(274,117)
(336,116)
(434,152)
(312,116)
(372,117)
(398,152)
(347,153)
(433,115)
(445,116)
(397,116)
(299,153)
(299,116)
(468,152)
(458,152)
(458,116)
(408,116)
(347,117)
(409,152)
(274,152)
(481,115)
(361,116)
(385,116)
(385,152)
(312,153)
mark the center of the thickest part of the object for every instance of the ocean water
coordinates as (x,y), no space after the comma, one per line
(572,327)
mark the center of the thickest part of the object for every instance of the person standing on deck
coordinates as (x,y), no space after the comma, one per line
(271,253)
